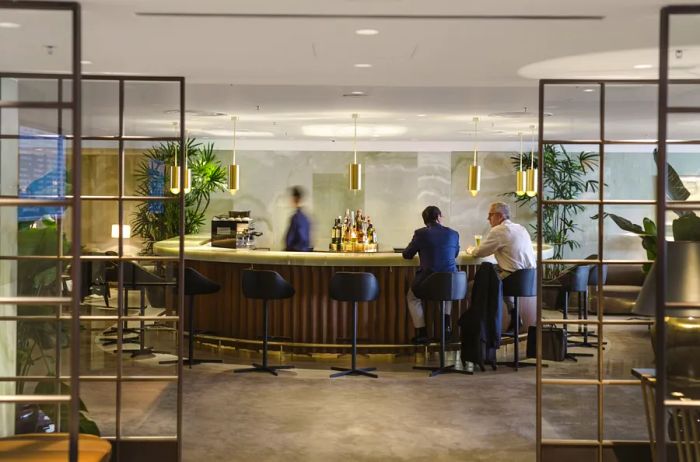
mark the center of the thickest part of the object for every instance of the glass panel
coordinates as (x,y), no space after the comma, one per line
(569,412)
(683,38)
(630,172)
(100,400)
(96,350)
(625,418)
(623,241)
(100,168)
(150,108)
(100,107)
(30,123)
(575,112)
(23,89)
(149,409)
(160,338)
(684,94)
(42,40)
(628,347)
(582,359)
(99,216)
(631,112)
(683,127)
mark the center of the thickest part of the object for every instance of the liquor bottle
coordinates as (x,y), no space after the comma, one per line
(371,231)
(331,246)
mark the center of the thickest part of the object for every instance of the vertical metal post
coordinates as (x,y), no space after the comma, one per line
(75,248)
(661,172)
(354,336)
(540,269)
(181,274)
(599,268)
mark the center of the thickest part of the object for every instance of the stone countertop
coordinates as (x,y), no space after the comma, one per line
(198,247)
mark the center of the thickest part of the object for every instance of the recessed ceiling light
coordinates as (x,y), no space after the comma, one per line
(588,90)
(363,66)
(366,31)
(421,115)
(643,66)
(85,61)
(9,25)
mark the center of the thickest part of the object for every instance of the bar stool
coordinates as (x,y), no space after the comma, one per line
(583,307)
(575,281)
(354,287)
(443,287)
(520,283)
(265,285)
(195,284)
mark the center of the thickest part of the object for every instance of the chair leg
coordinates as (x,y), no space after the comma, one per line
(264,367)
(516,364)
(353,369)
(443,369)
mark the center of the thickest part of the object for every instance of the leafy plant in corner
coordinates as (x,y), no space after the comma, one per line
(565,177)
(158,220)
(685,228)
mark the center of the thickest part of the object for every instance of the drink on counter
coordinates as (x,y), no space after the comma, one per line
(477,239)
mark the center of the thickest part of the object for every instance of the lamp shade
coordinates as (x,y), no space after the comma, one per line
(233,177)
(683,274)
(126,231)
(520,182)
(474,179)
(355,176)
(531,182)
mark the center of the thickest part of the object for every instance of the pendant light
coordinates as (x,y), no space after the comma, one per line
(474,180)
(233,168)
(520,175)
(531,184)
(355,169)
(175,172)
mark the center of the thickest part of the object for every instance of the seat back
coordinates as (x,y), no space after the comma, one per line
(577,278)
(265,285)
(444,287)
(521,283)
(198,284)
(354,287)
(593,275)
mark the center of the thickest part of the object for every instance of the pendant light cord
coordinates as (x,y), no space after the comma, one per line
(235,119)
(177,133)
(532,147)
(476,124)
(521,151)
(354,140)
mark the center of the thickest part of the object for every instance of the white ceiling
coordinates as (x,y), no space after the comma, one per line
(282,75)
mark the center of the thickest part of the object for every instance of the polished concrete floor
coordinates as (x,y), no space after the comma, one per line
(303,415)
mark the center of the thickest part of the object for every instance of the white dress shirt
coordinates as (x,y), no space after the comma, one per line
(510,243)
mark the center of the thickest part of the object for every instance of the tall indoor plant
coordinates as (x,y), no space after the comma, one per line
(158,220)
(565,177)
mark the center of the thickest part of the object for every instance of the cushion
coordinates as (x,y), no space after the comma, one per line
(52,447)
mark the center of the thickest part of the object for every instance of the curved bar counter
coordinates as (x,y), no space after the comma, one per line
(310,319)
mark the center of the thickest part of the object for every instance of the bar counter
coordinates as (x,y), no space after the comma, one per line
(310,320)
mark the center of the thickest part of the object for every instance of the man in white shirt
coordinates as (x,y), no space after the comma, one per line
(509,242)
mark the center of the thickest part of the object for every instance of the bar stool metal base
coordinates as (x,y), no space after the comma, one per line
(353,371)
(263,368)
(437,370)
(192,362)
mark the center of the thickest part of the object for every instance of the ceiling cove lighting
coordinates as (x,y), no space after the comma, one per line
(9,25)
(233,172)
(355,169)
(474,180)
(643,66)
(175,172)
(363,66)
(366,31)
(520,175)
(85,61)
(531,185)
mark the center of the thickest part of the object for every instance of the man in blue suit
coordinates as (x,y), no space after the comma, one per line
(437,247)
(298,234)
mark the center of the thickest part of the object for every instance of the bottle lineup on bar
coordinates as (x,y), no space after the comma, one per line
(353,233)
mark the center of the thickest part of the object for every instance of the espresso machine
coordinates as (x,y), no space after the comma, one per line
(233,231)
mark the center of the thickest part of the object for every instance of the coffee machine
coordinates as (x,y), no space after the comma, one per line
(233,231)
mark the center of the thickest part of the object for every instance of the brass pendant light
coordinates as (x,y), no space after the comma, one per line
(520,175)
(474,180)
(233,172)
(175,172)
(531,184)
(355,169)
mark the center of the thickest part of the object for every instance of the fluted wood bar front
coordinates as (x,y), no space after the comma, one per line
(310,317)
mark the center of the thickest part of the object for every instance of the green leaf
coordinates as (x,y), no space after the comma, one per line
(675,189)
(626,225)
(649,226)
(686,228)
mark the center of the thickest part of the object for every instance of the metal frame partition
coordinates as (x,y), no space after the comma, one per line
(72,203)
(684,411)
(600,382)
(121,318)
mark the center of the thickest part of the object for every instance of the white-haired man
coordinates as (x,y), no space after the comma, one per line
(509,242)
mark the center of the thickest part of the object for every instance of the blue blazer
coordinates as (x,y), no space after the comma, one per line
(437,246)
(298,234)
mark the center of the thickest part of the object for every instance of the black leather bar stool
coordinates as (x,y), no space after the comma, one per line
(265,285)
(521,283)
(443,287)
(575,280)
(583,331)
(195,284)
(354,287)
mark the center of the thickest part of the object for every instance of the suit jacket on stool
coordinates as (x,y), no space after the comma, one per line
(437,247)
